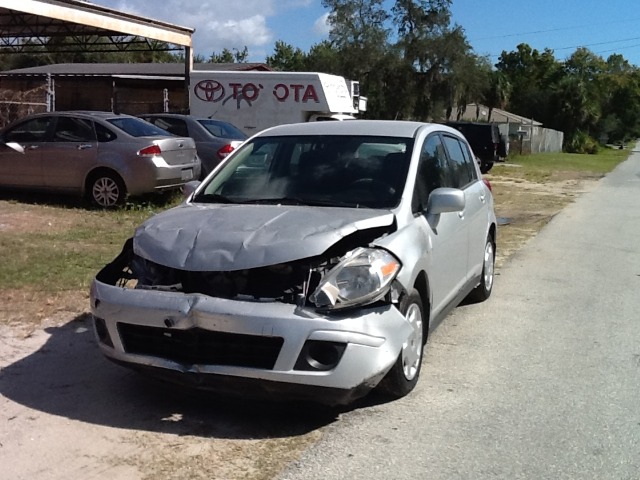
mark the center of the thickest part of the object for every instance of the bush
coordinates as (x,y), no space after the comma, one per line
(581,142)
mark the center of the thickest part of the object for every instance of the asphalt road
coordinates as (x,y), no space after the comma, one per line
(540,382)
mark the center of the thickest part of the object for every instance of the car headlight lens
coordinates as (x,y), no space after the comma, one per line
(363,276)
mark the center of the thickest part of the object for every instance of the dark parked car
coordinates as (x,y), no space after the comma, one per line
(312,263)
(214,139)
(484,139)
(101,155)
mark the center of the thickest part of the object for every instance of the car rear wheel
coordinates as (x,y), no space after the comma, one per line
(485,166)
(483,291)
(403,376)
(106,190)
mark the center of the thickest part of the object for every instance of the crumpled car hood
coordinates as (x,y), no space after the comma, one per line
(235,237)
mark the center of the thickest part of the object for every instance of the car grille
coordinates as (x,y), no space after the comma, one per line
(197,346)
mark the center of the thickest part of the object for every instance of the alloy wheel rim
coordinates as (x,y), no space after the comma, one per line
(412,348)
(106,192)
(488,266)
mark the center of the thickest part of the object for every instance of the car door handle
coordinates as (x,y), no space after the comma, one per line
(84,146)
(32,147)
(482,198)
(461,214)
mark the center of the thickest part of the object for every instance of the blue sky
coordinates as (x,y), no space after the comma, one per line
(491,26)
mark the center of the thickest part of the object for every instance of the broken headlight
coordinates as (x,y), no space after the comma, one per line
(363,276)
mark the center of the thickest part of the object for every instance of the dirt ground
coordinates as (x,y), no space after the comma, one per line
(68,413)
(524,207)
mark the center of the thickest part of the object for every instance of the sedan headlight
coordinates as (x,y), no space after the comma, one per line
(363,276)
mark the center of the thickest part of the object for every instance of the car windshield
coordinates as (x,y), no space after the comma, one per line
(340,170)
(137,127)
(222,129)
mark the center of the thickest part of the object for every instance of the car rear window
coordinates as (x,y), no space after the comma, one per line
(223,129)
(137,127)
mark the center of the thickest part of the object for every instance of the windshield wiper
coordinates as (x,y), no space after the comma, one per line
(212,198)
(299,201)
(217,198)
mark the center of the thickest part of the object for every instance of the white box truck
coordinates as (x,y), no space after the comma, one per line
(255,100)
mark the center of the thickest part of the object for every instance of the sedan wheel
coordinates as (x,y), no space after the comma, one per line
(483,290)
(403,376)
(107,191)
(412,348)
(487,269)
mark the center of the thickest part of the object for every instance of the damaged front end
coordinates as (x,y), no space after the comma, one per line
(346,276)
(326,321)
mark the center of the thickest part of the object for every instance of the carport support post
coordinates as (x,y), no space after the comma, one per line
(188,66)
(114,97)
(51,93)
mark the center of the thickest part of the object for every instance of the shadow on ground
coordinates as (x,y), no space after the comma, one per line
(69,377)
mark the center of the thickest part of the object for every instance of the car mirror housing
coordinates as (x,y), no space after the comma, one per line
(189,188)
(443,200)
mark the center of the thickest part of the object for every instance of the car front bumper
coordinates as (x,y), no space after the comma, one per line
(265,347)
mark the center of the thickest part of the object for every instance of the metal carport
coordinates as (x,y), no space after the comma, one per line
(39,20)
(28,25)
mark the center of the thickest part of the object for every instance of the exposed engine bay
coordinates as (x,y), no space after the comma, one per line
(290,282)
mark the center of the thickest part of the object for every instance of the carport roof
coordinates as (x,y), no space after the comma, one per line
(115,69)
(40,19)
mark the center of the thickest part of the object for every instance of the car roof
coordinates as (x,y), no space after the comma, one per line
(473,124)
(93,115)
(180,115)
(81,113)
(382,128)
(176,115)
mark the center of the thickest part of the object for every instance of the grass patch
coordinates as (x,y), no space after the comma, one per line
(57,248)
(543,167)
(529,190)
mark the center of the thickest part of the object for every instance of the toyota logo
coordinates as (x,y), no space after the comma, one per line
(209,91)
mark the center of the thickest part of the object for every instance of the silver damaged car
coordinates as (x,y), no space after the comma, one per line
(312,263)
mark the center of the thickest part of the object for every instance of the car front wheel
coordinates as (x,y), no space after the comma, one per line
(106,190)
(403,376)
(483,291)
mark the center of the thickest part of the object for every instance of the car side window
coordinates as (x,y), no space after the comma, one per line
(470,159)
(433,172)
(104,134)
(174,126)
(34,130)
(461,169)
(70,129)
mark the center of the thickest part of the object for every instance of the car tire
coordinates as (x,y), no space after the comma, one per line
(403,376)
(106,190)
(485,166)
(483,291)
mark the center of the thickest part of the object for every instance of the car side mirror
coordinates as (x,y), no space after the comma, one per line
(443,200)
(189,188)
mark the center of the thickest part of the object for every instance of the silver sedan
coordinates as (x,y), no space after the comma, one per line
(215,139)
(103,156)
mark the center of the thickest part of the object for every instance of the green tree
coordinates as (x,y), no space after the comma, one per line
(360,34)
(440,55)
(574,106)
(532,76)
(324,57)
(230,56)
(287,58)
(498,93)
(620,101)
